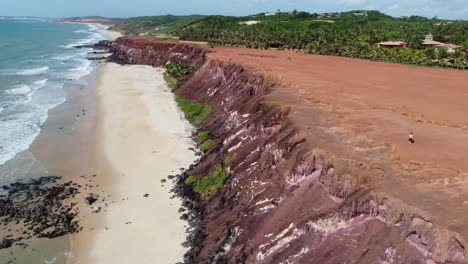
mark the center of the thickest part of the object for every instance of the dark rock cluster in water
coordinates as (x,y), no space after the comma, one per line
(41,208)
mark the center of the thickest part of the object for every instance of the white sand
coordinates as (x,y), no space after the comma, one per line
(111,34)
(142,138)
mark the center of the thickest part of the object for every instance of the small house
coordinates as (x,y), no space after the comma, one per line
(392,44)
(430,42)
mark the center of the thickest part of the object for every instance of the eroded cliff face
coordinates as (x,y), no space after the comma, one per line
(283,201)
(133,50)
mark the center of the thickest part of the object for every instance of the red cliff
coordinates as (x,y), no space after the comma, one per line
(285,201)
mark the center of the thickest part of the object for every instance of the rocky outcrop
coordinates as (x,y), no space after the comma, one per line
(283,201)
(40,208)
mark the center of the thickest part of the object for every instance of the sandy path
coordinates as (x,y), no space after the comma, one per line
(142,138)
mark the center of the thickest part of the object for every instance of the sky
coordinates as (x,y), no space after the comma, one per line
(448,9)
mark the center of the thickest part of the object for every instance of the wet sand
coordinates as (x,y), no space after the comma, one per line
(140,139)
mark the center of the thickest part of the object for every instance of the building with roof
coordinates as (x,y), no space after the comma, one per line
(430,42)
(392,44)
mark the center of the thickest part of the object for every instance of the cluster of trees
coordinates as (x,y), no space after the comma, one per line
(153,25)
(176,73)
(352,34)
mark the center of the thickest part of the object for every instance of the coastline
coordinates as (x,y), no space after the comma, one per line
(140,139)
(301,164)
(62,148)
(111,34)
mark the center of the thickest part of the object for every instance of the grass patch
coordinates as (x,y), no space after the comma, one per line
(170,82)
(211,183)
(179,70)
(196,113)
(202,136)
(176,73)
(227,159)
(207,145)
(191,180)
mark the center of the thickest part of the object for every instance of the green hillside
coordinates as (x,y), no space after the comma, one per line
(298,30)
(152,25)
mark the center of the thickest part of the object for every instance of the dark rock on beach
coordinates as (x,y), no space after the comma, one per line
(92,198)
(44,206)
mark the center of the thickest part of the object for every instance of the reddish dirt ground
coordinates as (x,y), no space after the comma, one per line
(361,112)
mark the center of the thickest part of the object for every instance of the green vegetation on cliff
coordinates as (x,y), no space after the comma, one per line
(178,70)
(191,180)
(202,136)
(194,112)
(209,184)
(176,73)
(207,145)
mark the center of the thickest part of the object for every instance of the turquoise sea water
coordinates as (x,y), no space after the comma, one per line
(37,59)
(38,62)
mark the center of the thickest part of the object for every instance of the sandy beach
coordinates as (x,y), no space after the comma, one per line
(110,33)
(140,138)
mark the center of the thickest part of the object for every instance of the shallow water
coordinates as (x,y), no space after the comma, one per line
(38,64)
(37,60)
(38,251)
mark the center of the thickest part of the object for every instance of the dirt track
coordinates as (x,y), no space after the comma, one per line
(361,113)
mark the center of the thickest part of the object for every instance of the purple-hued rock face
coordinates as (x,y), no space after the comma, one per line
(141,51)
(283,202)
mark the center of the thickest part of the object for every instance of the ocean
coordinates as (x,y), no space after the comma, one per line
(37,61)
(39,65)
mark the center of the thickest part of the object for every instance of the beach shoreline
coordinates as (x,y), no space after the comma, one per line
(111,34)
(140,138)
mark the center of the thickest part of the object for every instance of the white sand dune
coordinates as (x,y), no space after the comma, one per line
(141,138)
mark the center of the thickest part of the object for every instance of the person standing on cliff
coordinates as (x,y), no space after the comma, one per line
(411,138)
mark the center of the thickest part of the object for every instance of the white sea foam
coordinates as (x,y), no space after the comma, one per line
(26,89)
(52,261)
(35,71)
(19,131)
(91,39)
(92,27)
(21,90)
(63,57)
(83,69)
(41,83)
(26,106)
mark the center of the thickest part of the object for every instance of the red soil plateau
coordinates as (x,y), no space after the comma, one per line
(363,111)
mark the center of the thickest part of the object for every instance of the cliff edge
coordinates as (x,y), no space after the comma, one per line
(296,185)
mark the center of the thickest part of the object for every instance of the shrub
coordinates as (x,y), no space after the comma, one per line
(170,81)
(202,136)
(227,159)
(178,70)
(191,180)
(207,145)
(196,113)
(211,183)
